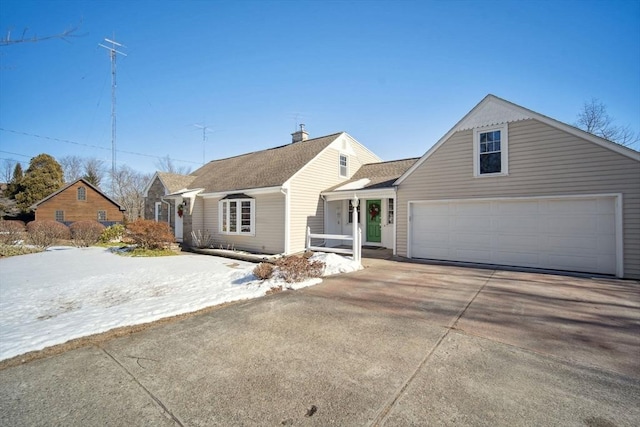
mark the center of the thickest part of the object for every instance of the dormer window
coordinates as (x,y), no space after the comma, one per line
(344,166)
(82,193)
(490,151)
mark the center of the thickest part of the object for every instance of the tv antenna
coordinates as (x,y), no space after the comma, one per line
(113,53)
(205,129)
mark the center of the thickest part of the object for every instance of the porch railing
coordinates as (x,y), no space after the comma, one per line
(355,251)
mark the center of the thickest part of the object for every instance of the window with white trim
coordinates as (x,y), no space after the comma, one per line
(59,216)
(390,211)
(344,165)
(82,193)
(490,151)
(102,215)
(237,216)
(350,220)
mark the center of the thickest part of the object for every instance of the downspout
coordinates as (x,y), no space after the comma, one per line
(287,207)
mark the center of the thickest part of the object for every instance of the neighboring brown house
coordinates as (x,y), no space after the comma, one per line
(79,201)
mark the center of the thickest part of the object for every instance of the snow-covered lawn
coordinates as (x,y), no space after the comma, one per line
(65,293)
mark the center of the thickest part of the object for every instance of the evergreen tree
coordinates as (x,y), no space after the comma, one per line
(14,184)
(43,177)
(92,178)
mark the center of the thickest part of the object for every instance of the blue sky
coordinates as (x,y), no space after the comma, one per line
(394,75)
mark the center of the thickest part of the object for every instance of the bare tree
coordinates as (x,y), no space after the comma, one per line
(7,170)
(594,119)
(25,38)
(72,167)
(166,164)
(89,168)
(128,187)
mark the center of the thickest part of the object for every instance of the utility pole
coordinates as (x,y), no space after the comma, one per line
(113,55)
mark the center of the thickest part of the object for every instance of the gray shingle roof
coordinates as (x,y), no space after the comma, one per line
(174,182)
(266,168)
(380,175)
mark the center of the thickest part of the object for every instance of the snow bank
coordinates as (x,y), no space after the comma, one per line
(65,293)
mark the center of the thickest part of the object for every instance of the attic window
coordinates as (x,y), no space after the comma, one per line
(82,193)
(490,151)
(344,166)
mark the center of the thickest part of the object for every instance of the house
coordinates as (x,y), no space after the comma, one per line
(156,206)
(79,201)
(261,201)
(510,186)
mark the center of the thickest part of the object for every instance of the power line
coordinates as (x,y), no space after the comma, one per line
(90,146)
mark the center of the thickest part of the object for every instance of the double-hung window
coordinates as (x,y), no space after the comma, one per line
(490,151)
(102,215)
(59,216)
(82,193)
(344,165)
(237,216)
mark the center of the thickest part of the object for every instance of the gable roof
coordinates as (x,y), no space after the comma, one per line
(260,169)
(493,110)
(375,176)
(85,182)
(175,182)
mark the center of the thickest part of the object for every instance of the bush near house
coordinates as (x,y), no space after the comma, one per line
(112,234)
(263,271)
(150,234)
(11,231)
(86,233)
(46,233)
(296,269)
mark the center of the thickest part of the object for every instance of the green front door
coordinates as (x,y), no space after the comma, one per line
(374,213)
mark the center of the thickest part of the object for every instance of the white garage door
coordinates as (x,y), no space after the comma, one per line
(574,234)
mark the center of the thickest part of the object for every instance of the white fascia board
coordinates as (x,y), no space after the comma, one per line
(519,113)
(288,182)
(355,141)
(376,193)
(247,191)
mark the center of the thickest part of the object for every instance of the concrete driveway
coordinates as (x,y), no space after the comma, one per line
(395,344)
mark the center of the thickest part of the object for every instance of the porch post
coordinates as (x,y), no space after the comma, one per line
(355,222)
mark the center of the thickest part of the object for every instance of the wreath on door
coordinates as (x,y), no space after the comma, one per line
(181,210)
(374,210)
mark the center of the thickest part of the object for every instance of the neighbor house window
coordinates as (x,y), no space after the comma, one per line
(102,215)
(351,212)
(490,151)
(344,165)
(60,216)
(390,211)
(237,216)
(82,193)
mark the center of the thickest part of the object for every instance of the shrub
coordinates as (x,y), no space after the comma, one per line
(11,232)
(45,233)
(150,234)
(263,271)
(12,250)
(112,234)
(202,239)
(296,269)
(86,233)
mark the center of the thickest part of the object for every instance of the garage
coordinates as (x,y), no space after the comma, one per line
(572,233)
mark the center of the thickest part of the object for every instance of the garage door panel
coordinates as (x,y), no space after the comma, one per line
(577,234)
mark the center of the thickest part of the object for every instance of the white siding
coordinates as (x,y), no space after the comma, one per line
(269,216)
(543,161)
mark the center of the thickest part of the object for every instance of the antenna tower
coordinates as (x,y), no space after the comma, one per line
(113,53)
(204,139)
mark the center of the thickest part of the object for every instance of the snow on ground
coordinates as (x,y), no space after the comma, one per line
(65,293)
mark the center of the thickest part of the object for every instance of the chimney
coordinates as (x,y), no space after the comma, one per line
(301,135)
